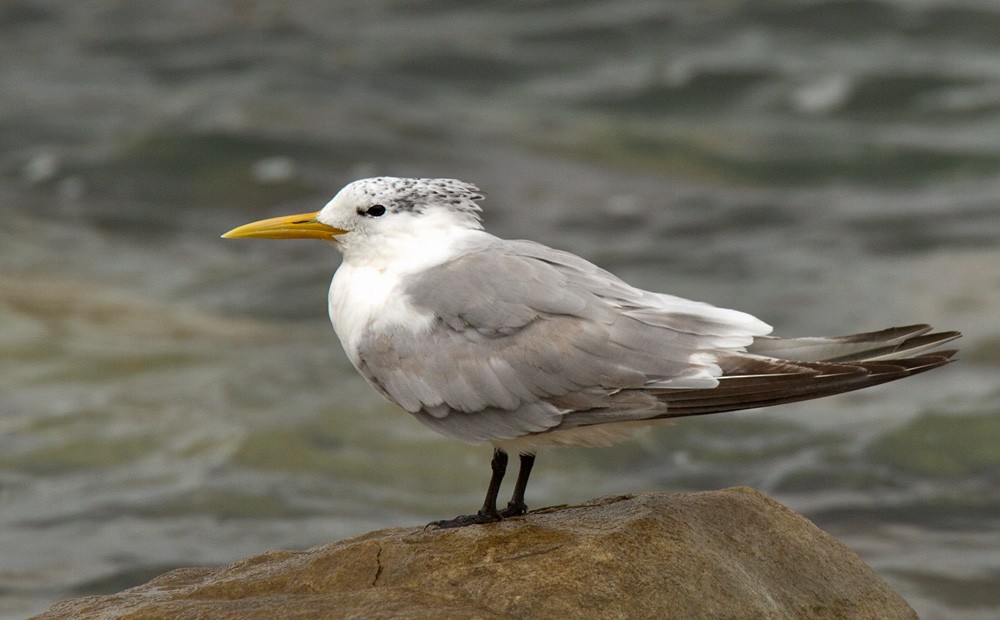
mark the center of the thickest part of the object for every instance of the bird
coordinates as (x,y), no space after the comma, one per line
(523,346)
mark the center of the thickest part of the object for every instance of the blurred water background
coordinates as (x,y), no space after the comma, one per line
(172,399)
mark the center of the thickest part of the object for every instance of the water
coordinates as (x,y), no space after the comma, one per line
(171,399)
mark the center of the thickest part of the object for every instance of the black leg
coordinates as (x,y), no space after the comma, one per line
(488,513)
(516,506)
(499,467)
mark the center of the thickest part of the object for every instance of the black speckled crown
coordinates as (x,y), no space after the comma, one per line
(415,195)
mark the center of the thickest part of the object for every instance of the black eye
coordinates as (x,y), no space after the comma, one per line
(375,210)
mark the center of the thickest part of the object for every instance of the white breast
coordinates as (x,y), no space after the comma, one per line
(367,292)
(363,298)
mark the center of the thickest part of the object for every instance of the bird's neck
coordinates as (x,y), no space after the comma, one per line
(407,251)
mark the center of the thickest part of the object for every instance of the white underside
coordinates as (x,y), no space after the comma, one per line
(595,436)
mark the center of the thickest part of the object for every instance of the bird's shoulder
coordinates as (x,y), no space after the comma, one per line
(503,284)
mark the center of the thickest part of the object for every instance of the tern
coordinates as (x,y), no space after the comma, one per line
(524,346)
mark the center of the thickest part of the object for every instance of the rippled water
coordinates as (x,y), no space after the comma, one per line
(171,399)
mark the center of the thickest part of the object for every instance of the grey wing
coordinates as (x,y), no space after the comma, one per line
(524,335)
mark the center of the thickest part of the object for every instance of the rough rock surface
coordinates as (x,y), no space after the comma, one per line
(733,553)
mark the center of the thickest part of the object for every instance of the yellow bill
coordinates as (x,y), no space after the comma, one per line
(302,226)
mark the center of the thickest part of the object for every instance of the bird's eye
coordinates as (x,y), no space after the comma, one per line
(375,210)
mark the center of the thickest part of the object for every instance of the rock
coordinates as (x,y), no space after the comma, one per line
(733,553)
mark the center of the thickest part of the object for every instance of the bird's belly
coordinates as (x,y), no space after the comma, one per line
(595,436)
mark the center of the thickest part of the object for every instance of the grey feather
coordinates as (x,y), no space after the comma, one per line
(527,340)
(884,344)
(524,335)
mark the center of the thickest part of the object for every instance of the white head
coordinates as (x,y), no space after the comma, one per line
(379,212)
(385,204)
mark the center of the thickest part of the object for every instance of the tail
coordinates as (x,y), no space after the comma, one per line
(775,371)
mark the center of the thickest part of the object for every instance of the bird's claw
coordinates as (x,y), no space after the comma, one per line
(514,509)
(464,520)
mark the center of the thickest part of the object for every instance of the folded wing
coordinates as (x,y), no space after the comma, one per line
(527,340)
(524,336)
